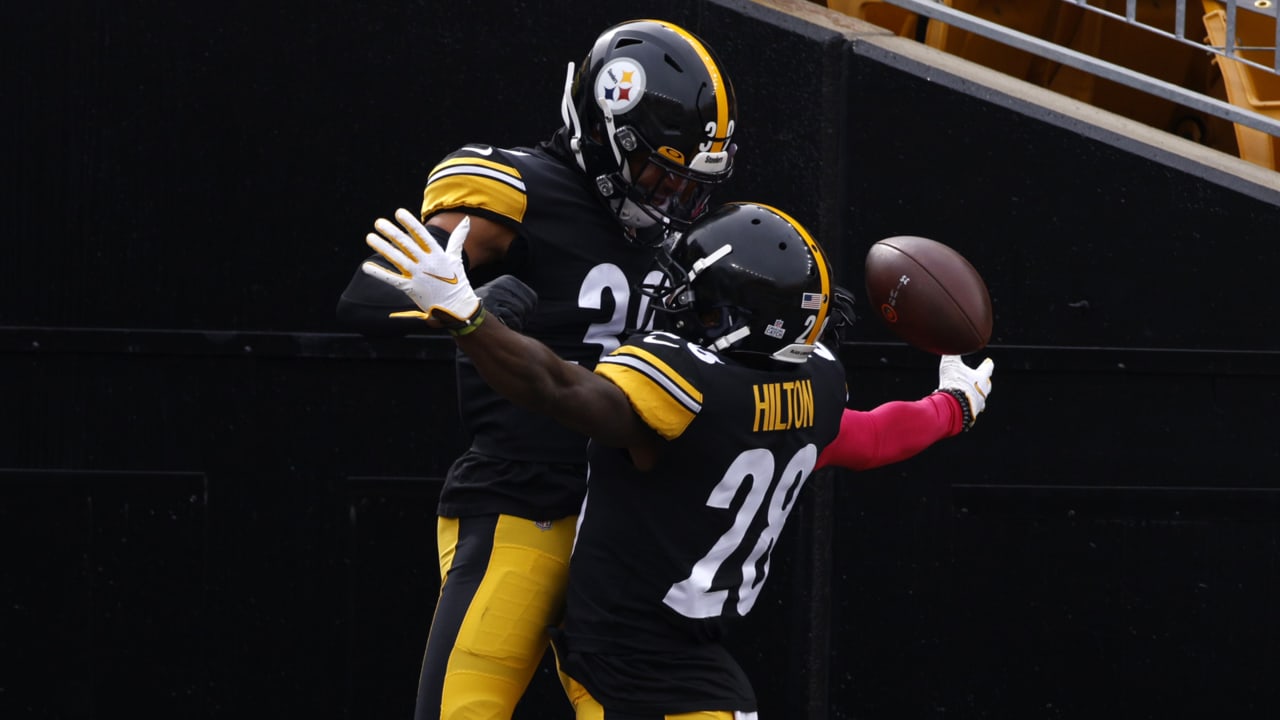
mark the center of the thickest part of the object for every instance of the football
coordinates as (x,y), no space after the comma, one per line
(929,295)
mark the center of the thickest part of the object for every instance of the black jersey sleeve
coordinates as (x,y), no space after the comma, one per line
(366,304)
(475,179)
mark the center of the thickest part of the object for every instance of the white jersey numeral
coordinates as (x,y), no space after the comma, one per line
(693,596)
(607,276)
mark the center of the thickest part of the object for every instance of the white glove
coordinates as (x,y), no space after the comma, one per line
(433,278)
(971,384)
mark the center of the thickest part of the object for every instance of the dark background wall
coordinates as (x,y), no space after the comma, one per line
(1106,541)
(216,504)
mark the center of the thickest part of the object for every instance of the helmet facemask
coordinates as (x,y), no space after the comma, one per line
(748,281)
(713,324)
(651,187)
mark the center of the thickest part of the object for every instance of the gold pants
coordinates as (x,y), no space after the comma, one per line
(502,585)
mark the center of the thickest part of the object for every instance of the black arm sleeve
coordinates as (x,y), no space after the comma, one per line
(366,303)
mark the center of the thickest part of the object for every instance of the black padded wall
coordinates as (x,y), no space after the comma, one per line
(1106,540)
(215,503)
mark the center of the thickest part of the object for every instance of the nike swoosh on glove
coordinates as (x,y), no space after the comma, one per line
(434,278)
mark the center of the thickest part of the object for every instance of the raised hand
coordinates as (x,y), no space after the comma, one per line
(969,385)
(434,278)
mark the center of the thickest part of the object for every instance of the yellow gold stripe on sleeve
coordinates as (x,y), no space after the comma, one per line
(500,170)
(477,183)
(666,371)
(665,400)
(659,410)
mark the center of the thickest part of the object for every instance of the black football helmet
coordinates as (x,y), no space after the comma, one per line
(748,280)
(649,116)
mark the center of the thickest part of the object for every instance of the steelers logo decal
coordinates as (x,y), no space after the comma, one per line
(620,84)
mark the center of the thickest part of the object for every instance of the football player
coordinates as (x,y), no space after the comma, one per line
(702,438)
(648,125)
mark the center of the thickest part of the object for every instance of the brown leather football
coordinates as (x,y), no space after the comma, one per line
(929,295)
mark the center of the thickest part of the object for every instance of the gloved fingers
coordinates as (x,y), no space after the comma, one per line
(377,272)
(956,363)
(399,238)
(417,231)
(393,253)
(983,381)
(458,238)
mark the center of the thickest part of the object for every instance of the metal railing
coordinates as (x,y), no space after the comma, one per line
(939,10)
(1229,49)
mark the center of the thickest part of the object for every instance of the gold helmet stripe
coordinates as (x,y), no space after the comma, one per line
(822,271)
(718,89)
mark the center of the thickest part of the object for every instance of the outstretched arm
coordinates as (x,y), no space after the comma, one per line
(520,368)
(898,430)
(892,432)
(529,374)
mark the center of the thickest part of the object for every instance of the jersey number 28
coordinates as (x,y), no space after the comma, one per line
(693,597)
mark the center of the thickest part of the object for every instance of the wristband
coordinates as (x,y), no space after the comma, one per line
(473,323)
(965,411)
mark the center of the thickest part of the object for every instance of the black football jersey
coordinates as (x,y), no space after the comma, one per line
(572,252)
(666,560)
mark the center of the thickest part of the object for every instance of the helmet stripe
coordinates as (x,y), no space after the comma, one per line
(717,83)
(821,259)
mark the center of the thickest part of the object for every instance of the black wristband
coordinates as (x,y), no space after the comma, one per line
(965,411)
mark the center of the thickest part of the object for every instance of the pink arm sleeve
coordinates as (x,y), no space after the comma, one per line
(892,432)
